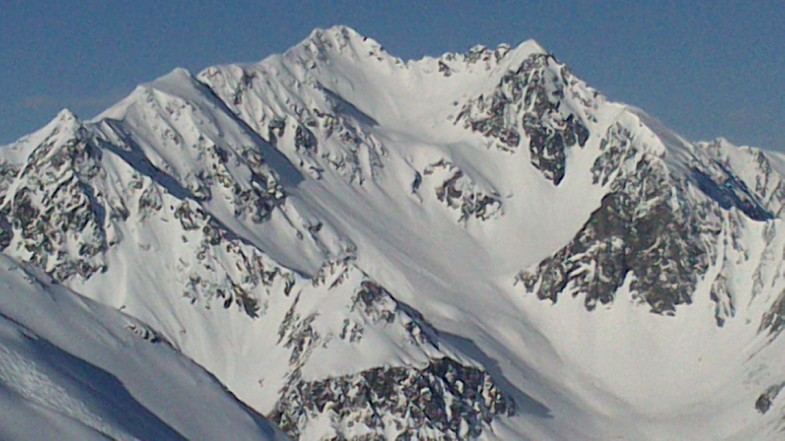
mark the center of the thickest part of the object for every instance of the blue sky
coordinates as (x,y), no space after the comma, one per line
(706,69)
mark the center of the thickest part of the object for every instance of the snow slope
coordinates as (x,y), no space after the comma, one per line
(476,246)
(74,369)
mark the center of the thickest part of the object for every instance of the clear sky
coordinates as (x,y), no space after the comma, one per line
(705,68)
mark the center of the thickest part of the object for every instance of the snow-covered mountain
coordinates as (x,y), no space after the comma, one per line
(476,246)
(73,369)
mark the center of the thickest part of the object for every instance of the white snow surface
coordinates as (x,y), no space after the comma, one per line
(74,369)
(362,206)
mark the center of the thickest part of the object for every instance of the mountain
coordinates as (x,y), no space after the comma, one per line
(475,246)
(73,369)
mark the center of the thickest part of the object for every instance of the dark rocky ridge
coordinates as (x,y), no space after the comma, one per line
(529,99)
(58,209)
(443,400)
(648,228)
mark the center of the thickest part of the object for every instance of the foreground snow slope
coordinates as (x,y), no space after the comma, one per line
(73,369)
(472,246)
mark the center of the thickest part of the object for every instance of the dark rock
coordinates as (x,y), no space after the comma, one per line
(444,399)
(616,147)
(304,139)
(774,320)
(530,98)
(638,232)
(766,399)
(731,192)
(460,193)
(56,209)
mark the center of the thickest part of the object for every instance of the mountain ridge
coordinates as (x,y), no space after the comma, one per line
(477,245)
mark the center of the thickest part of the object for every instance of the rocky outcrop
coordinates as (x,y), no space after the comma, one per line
(643,233)
(766,399)
(529,100)
(58,219)
(442,400)
(459,192)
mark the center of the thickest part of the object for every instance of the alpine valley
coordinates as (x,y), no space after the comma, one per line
(334,243)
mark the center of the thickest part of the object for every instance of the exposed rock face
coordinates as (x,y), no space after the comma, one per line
(366,304)
(443,400)
(765,400)
(529,99)
(616,148)
(773,321)
(330,132)
(8,173)
(642,233)
(58,218)
(458,192)
(230,272)
(440,398)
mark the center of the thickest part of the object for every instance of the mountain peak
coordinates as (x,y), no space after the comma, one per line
(530,46)
(176,78)
(334,31)
(64,125)
(337,40)
(364,247)
(66,115)
(62,128)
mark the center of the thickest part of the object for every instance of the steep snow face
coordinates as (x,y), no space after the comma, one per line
(472,246)
(73,369)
